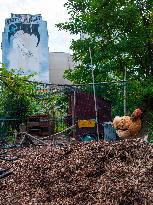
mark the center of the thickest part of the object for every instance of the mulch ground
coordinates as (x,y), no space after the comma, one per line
(96,173)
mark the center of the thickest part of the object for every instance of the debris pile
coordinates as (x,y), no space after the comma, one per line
(99,173)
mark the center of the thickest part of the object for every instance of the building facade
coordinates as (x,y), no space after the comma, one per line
(25,45)
(58,63)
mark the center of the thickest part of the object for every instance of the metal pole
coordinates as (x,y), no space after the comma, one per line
(94,90)
(125,97)
(73,111)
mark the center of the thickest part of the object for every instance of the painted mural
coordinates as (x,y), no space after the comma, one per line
(25,45)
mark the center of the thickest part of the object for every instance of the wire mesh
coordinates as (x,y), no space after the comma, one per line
(52,100)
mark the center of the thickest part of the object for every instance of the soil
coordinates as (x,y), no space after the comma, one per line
(95,173)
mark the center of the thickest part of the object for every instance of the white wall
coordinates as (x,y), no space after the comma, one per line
(24,53)
(58,63)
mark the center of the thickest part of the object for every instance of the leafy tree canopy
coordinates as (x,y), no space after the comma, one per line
(21,97)
(119,33)
(17,94)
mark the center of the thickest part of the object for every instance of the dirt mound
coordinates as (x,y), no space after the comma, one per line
(97,173)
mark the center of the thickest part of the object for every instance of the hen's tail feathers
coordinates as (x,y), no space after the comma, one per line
(116,121)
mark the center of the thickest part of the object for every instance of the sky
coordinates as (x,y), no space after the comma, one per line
(52,11)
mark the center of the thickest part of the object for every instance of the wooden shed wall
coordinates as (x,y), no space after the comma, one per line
(85,109)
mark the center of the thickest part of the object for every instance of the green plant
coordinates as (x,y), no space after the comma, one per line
(112,30)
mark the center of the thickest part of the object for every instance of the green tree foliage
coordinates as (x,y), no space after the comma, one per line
(120,35)
(17,95)
(21,97)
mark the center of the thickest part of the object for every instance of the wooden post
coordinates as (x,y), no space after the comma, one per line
(94,91)
(73,112)
(125,96)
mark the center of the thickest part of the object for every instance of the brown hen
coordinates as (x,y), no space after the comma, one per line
(128,126)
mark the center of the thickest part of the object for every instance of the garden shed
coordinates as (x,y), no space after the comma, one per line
(82,107)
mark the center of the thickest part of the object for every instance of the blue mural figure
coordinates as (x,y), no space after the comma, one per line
(25,45)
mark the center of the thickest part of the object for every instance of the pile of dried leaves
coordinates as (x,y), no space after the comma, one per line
(116,173)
